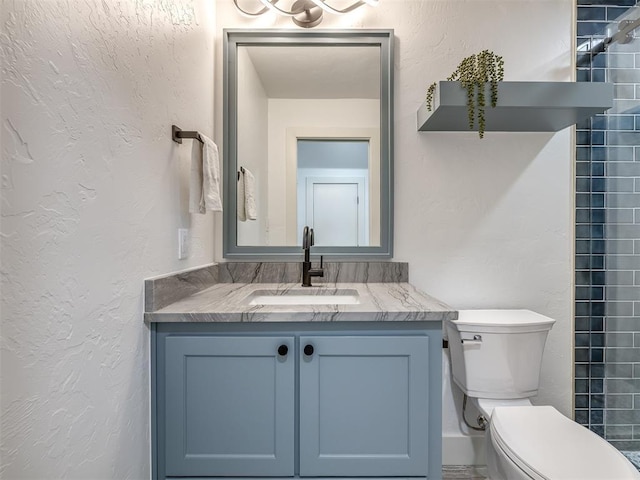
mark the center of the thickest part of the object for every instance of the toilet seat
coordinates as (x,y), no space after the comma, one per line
(546,445)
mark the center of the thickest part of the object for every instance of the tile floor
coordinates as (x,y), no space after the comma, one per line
(454,472)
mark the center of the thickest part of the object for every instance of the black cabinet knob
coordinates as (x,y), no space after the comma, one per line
(283,350)
(308,350)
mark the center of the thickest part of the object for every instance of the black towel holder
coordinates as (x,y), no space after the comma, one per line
(177,134)
(241,170)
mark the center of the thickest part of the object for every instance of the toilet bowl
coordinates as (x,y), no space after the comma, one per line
(540,443)
(495,359)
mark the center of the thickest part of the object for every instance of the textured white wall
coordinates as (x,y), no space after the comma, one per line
(93,192)
(482,223)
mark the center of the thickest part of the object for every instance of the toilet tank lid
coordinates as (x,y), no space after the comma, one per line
(502,321)
(548,445)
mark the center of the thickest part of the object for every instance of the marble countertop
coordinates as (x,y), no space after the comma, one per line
(231,302)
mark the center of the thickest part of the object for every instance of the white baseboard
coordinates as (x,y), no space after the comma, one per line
(463,450)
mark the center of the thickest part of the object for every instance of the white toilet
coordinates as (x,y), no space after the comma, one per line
(495,359)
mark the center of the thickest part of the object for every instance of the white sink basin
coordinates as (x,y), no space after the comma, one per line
(305,296)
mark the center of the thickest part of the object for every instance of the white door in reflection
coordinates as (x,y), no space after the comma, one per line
(335,212)
(333,191)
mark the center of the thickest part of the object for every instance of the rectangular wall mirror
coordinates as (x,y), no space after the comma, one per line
(308,140)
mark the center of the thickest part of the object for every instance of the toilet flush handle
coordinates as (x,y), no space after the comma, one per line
(476,340)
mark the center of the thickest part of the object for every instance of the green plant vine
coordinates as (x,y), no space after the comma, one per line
(473,73)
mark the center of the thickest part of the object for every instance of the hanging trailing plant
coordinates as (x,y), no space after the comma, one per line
(473,73)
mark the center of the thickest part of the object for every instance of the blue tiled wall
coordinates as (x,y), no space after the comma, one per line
(607,310)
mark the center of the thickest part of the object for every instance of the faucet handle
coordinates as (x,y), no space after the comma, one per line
(321,258)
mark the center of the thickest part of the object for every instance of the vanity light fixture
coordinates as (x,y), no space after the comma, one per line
(304,13)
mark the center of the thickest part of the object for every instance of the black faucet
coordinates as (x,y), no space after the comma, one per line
(307,271)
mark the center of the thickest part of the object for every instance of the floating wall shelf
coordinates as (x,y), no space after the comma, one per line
(522,106)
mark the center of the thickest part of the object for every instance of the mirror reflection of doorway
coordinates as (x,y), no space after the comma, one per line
(335,209)
(333,191)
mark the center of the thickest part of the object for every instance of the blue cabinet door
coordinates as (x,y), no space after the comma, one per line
(363,406)
(229,406)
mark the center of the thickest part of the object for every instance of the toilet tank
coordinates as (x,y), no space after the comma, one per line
(497,353)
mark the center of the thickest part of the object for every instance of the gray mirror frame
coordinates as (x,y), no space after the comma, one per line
(236,37)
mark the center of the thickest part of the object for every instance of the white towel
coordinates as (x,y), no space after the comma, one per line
(242,212)
(204,184)
(250,195)
(247,209)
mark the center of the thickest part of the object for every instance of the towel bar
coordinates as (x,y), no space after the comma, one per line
(178,134)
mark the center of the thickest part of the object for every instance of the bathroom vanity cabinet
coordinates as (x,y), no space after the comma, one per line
(343,399)
(271,380)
